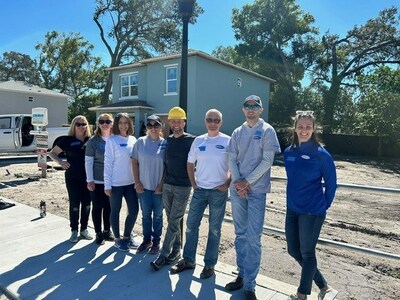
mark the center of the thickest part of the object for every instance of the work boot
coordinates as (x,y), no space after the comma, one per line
(235,285)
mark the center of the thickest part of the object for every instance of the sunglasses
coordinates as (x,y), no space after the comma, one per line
(215,121)
(305,113)
(80,124)
(150,126)
(251,107)
(102,122)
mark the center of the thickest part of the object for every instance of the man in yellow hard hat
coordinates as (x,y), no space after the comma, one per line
(176,188)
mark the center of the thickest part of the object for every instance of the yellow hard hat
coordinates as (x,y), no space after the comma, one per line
(176,113)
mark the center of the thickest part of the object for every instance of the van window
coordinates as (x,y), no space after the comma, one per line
(5,123)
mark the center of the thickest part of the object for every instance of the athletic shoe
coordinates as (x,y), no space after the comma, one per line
(296,297)
(86,235)
(132,243)
(155,249)
(99,238)
(182,265)
(74,237)
(158,263)
(235,285)
(144,247)
(122,245)
(173,257)
(108,236)
(207,272)
(327,293)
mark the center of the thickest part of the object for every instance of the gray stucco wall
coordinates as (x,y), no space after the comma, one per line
(14,102)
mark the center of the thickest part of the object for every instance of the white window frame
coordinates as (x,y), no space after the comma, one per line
(168,67)
(129,86)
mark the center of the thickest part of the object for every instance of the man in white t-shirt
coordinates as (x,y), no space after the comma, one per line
(207,167)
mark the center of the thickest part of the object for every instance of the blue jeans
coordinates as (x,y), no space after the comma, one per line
(175,199)
(302,232)
(151,203)
(129,192)
(216,200)
(248,217)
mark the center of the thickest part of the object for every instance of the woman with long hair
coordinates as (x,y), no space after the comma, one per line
(94,165)
(307,162)
(73,145)
(119,181)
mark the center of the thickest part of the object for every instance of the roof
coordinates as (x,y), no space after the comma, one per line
(191,53)
(122,106)
(24,87)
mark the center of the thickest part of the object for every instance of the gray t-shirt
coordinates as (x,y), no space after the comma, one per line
(151,156)
(95,148)
(250,148)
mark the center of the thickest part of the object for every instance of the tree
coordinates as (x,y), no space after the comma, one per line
(378,110)
(80,107)
(280,39)
(66,64)
(18,66)
(342,60)
(137,28)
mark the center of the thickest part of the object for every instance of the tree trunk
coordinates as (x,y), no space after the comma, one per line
(105,97)
(330,99)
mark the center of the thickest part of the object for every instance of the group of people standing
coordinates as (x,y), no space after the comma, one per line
(162,173)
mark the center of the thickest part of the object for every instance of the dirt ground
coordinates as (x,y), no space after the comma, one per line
(365,218)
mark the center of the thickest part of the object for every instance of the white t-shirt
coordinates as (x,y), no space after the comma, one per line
(117,161)
(211,158)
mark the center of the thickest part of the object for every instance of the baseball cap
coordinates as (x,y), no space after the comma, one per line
(254,98)
(154,118)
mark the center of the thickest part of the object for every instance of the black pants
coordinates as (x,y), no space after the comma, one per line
(101,208)
(79,202)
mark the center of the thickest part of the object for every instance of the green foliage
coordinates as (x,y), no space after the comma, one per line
(18,66)
(280,41)
(378,110)
(65,64)
(80,107)
(363,48)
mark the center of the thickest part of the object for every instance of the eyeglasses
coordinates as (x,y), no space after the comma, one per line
(150,126)
(102,122)
(251,107)
(215,121)
(80,124)
(308,113)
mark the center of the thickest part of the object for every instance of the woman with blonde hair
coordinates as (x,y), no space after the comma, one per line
(94,165)
(73,145)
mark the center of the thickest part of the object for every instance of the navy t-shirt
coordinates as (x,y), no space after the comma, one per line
(75,152)
(176,159)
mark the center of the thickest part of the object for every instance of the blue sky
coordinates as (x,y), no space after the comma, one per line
(24,23)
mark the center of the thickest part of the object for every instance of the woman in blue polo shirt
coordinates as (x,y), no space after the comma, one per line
(307,162)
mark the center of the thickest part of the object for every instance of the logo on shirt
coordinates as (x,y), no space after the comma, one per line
(219,147)
(305,156)
(290,158)
(123,145)
(73,144)
(202,148)
(258,135)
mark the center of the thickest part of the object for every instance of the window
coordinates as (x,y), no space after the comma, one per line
(5,123)
(129,85)
(171,79)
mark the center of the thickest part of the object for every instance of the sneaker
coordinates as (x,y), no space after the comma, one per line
(108,236)
(182,265)
(74,237)
(132,243)
(144,247)
(207,272)
(235,285)
(99,238)
(296,297)
(158,263)
(155,249)
(327,293)
(173,257)
(250,295)
(122,245)
(86,235)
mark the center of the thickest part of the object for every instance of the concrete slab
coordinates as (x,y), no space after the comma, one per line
(37,262)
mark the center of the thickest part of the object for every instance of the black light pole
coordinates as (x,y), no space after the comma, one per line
(185,11)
